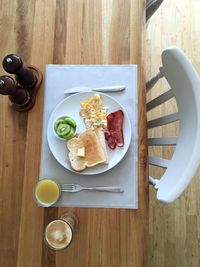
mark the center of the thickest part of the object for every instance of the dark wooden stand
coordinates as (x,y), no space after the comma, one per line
(22,94)
(32,91)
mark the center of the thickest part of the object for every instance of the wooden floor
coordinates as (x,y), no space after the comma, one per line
(174,232)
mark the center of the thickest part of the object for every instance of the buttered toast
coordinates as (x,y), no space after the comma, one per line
(92,142)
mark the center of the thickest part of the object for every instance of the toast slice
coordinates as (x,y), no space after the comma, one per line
(94,151)
(100,134)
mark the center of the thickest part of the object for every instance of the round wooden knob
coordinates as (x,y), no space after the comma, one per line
(17,94)
(13,64)
(7,85)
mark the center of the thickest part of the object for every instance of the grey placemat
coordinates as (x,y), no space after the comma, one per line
(58,79)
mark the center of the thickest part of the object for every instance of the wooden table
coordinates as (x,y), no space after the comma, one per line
(67,32)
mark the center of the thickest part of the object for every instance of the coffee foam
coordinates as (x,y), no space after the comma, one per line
(58,234)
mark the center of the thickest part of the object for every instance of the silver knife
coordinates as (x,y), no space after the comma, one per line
(77,89)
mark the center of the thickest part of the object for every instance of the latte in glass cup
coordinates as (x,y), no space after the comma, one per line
(59,233)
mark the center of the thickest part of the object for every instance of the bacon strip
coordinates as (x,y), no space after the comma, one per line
(114,136)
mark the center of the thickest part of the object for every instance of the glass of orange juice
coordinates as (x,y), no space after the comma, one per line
(47,192)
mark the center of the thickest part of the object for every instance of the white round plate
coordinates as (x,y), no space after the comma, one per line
(70,106)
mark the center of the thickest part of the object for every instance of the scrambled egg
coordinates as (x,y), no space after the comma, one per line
(93,112)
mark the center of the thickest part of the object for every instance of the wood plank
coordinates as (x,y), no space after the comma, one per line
(13,143)
(119,34)
(31,224)
(138,44)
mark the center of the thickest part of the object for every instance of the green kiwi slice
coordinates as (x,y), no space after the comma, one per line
(70,121)
(63,129)
(70,134)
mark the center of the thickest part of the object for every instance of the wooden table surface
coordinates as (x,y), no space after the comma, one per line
(67,32)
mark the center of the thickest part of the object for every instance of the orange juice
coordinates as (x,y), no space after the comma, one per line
(47,192)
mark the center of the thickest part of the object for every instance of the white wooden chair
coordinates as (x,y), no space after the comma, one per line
(151,7)
(184,84)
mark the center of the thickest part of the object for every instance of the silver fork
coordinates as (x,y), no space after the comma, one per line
(73,188)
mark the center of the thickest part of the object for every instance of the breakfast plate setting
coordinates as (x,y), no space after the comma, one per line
(70,107)
(90,134)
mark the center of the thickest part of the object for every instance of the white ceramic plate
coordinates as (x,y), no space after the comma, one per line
(70,106)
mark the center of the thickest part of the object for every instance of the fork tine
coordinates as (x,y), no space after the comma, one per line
(67,190)
(67,184)
(69,187)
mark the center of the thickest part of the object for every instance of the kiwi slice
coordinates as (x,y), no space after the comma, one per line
(56,124)
(63,129)
(70,121)
(70,134)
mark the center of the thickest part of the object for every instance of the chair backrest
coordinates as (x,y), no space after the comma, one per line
(151,7)
(185,87)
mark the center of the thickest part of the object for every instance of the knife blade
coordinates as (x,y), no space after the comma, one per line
(77,89)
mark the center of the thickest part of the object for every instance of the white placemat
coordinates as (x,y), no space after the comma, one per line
(125,174)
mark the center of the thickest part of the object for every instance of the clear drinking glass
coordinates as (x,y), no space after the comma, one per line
(46,192)
(59,233)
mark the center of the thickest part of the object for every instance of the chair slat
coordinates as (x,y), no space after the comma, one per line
(162,141)
(160,99)
(150,84)
(151,7)
(164,163)
(153,181)
(163,120)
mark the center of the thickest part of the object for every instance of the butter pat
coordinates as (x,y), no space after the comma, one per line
(81,152)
